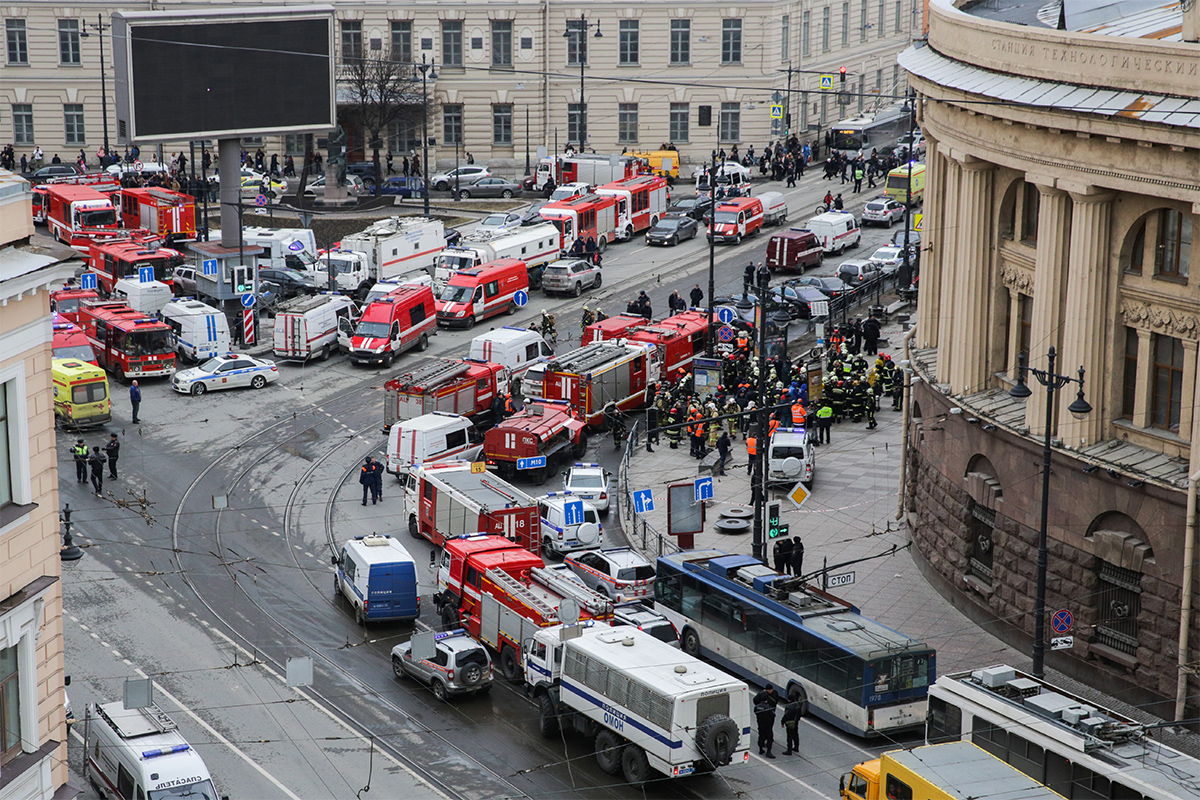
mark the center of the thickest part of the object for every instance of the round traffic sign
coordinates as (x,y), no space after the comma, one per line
(248,300)
(725,314)
(1062,621)
(520,297)
(725,334)
(261,200)
(137,166)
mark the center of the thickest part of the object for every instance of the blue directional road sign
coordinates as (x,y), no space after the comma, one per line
(643,501)
(261,200)
(145,274)
(248,300)
(208,266)
(520,297)
(531,463)
(87,280)
(703,490)
(725,314)
(573,512)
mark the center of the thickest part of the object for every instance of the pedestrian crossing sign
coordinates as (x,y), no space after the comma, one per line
(776,111)
(798,494)
(826,81)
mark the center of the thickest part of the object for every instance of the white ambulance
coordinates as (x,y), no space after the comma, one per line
(139,752)
(313,327)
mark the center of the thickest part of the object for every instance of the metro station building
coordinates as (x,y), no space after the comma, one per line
(1064,189)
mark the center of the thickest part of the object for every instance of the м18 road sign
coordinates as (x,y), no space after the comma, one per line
(643,501)
(87,280)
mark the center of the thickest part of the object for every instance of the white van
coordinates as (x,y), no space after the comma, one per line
(377,575)
(139,752)
(775,208)
(313,327)
(557,536)
(430,437)
(835,230)
(389,285)
(148,297)
(201,331)
(515,348)
(286,247)
(790,457)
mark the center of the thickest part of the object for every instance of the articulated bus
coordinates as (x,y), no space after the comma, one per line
(745,617)
(866,133)
(1070,744)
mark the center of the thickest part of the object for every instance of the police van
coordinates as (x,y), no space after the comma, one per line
(201,331)
(790,457)
(378,576)
(560,536)
(139,752)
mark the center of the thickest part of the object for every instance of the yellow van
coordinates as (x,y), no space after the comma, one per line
(654,158)
(81,396)
(896,185)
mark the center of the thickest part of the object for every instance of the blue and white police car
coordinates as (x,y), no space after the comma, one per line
(589,482)
(226,372)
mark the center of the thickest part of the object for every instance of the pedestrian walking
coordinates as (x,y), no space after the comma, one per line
(751,453)
(113,451)
(135,400)
(723,445)
(80,453)
(781,554)
(764,713)
(791,723)
(96,462)
(366,477)
(797,563)
(747,278)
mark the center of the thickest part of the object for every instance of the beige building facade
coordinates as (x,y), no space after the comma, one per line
(703,75)
(33,730)
(1063,202)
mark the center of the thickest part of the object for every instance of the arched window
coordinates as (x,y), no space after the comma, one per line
(984,489)
(1120,547)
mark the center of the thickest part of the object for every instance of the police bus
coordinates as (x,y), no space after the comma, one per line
(848,670)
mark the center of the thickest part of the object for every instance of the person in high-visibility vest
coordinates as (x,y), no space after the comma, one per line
(752,453)
(798,414)
(824,422)
(772,425)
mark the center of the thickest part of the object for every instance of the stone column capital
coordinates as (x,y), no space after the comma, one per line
(1092,197)
(970,163)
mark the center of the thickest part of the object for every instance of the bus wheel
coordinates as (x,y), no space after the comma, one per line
(634,765)
(691,643)
(796,692)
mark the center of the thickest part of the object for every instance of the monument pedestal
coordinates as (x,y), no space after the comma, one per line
(335,196)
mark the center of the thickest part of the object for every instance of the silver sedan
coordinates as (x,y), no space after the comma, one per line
(490,187)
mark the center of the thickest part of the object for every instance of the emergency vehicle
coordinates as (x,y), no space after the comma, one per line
(69,341)
(678,338)
(123,257)
(617,326)
(790,456)
(313,327)
(736,219)
(65,302)
(128,342)
(640,202)
(582,168)
(392,324)
(393,247)
(430,437)
(449,498)
(796,249)
(583,217)
(543,429)
(503,595)
(81,396)
(457,386)
(171,215)
(201,331)
(139,752)
(601,373)
(72,209)
(536,245)
(515,348)
(285,247)
(481,292)
(149,297)
(39,204)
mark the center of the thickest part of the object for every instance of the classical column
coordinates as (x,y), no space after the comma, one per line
(1145,372)
(1049,290)
(948,265)
(972,293)
(1014,333)
(1188,401)
(932,235)
(1087,320)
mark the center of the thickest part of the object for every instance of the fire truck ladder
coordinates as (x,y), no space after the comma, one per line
(594,602)
(583,361)
(432,374)
(521,593)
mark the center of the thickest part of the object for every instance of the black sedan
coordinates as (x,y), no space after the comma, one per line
(798,298)
(291,282)
(830,284)
(694,206)
(402,186)
(672,230)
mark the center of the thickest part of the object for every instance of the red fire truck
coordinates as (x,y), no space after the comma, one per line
(601,373)
(582,217)
(122,257)
(463,386)
(450,498)
(582,168)
(679,339)
(617,326)
(543,429)
(127,342)
(71,210)
(640,202)
(502,595)
(170,214)
(66,302)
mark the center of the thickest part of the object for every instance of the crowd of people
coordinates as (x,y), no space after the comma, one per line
(855,169)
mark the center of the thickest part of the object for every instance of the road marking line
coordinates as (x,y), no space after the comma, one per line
(790,777)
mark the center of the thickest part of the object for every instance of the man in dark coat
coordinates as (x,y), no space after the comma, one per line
(113,451)
(366,477)
(797,560)
(697,296)
(764,713)
(782,554)
(791,723)
(870,335)
(96,462)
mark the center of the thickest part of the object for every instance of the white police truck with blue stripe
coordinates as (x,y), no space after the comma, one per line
(650,707)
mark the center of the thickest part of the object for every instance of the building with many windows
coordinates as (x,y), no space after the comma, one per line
(33,730)
(1061,212)
(514,75)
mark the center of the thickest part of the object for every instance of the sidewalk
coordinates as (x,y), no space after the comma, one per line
(849,515)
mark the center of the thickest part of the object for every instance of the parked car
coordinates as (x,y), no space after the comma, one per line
(570,276)
(366,171)
(401,186)
(444,180)
(888,259)
(501,221)
(619,573)
(52,171)
(459,665)
(225,372)
(672,230)
(184,281)
(694,206)
(798,298)
(883,211)
(569,190)
(252,184)
(858,272)
(291,282)
(829,284)
(490,187)
(915,142)
(914,237)
(354,186)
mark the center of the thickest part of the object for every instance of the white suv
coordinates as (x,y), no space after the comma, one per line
(620,574)
(444,180)
(589,482)
(557,536)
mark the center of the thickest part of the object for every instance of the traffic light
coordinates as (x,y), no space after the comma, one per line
(842,71)
(773,527)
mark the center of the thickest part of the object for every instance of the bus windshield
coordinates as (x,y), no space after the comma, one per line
(148,343)
(848,139)
(899,673)
(97,217)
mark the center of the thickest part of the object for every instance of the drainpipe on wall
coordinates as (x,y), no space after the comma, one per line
(907,418)
(1185,610)
(546,87)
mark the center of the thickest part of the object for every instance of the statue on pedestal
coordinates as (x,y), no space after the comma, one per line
(336,154)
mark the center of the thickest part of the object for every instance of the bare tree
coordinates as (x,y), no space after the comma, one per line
(378,93)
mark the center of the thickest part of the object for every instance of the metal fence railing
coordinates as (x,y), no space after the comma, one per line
(638,530)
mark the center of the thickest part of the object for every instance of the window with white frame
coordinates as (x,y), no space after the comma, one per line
(785,33)
(452,124)
(352,47)
(502,43)
(681,42)
(731,123)
(73,130)
(68,42)
(22,114)
(10,704)
(731,41)
(502,124)
(576,43)
(8,468)
(825,23)
(627,123)
(845,24)
(805,33)
(452,43)
(629,42)
(18,43)
(402,40)
(680,116)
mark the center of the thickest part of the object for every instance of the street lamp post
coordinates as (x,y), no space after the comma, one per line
(763,415)
(100,28)
(427,68)
(580,53)
(1079,409)
(712,252)
(904,274)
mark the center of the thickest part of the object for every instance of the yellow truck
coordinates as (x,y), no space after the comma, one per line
(81,396)
(952,771)
(896,186)
(655,158)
